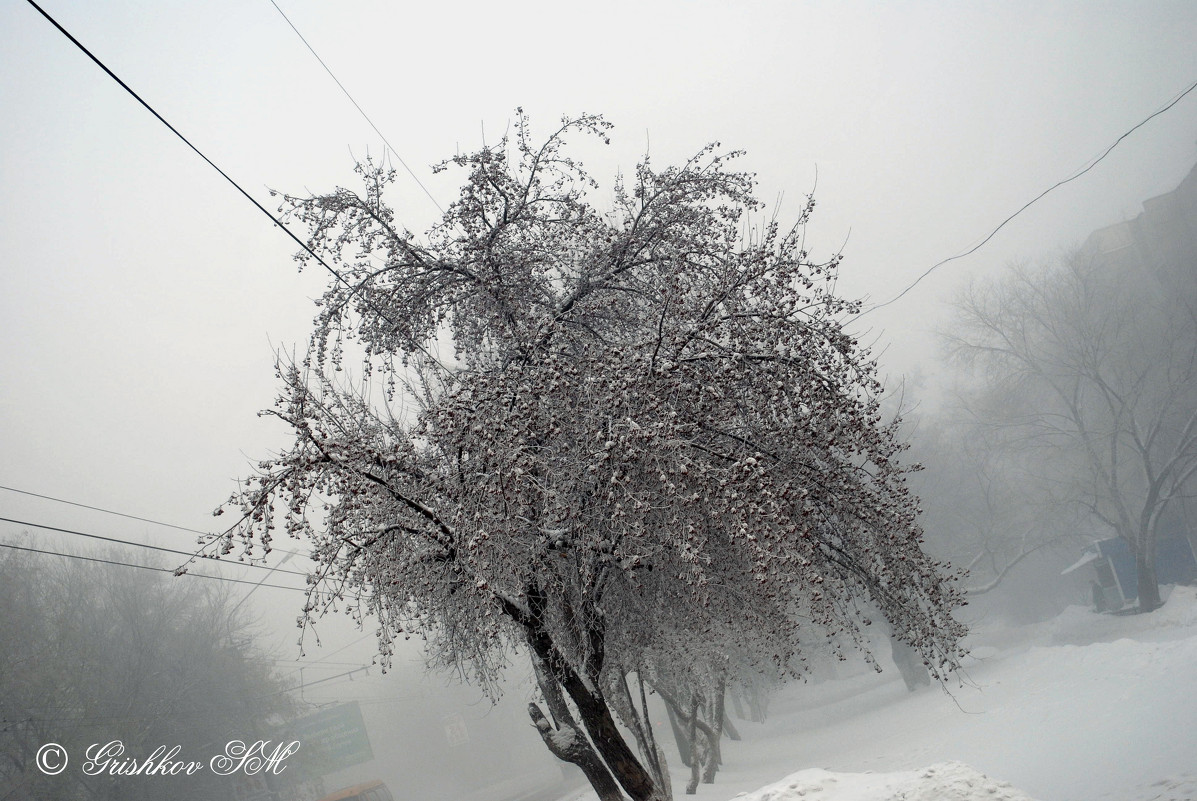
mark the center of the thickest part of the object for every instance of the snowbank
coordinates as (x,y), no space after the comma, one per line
(1085,707)
(1176,619)
(947,781)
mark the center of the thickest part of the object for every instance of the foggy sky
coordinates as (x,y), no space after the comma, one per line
(143,298)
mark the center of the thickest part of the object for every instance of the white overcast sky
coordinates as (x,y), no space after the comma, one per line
(142,297)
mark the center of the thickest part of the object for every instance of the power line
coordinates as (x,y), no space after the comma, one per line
(145,567)
(353,290)
(305,684)
(339,650)
(188,554)
(360,110)
(198,152)
(123,514)
(293,664)
(256,585)
(1035,200)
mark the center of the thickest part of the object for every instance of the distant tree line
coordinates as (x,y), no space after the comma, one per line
(93,653)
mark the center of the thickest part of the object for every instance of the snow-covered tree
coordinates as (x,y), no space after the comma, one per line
(1092,368)
(654,437)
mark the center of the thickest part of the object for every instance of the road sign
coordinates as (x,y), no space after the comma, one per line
(332,739)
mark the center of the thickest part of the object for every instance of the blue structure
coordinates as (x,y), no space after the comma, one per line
(1117,582)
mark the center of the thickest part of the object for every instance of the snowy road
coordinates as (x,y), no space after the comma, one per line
(1085,707)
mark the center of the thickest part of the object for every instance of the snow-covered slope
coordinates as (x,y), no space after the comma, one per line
(948,781)
(1085,707)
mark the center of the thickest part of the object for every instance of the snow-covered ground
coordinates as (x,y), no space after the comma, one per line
(1084,707)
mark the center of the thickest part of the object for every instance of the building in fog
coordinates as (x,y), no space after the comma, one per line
(1160,242)
(1158,247)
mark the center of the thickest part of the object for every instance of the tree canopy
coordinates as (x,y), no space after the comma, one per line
(1090,363)
(653,439)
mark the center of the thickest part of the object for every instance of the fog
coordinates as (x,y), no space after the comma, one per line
(145,301)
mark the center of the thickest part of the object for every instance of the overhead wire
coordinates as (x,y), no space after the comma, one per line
(254,584)
(189,554)
(127,516)
(339,650)
(277,223)
(307,248)
(313,663)
(295,664)
(146,567)
(343,280)
(1035,200)
(357,667)
(360,110)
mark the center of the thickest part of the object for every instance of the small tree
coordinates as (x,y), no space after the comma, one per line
(654,433)
(1093,369)
(91,653)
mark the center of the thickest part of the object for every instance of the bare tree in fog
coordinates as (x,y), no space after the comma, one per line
(655,442)
(93,653)
(983,509)
(1089,373)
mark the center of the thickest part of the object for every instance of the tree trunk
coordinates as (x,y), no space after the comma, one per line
(729,728)
(599,723)
(690,722)
(567,744)
(596,718)
(715,754)
(660,767)
(637,719)
(757,703)
(565,740)
(1149,586)
(909,664)
(695,759)
(735,694)
(679,734)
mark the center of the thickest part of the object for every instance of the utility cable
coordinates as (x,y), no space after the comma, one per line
(1035,200)
(360,110)
(315,662)
(188,554)
(294,664)
(198,152)
(146,567)
(128,516)
(307,248)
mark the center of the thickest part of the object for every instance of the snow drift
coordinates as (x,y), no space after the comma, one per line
(1084,707)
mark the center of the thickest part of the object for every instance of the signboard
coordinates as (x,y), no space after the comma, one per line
(332,739)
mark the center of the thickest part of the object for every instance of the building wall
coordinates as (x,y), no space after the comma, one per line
(1160,242)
